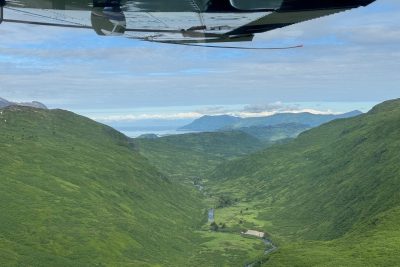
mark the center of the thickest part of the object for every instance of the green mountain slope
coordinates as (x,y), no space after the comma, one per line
(192,155)
(328,197)
(275,132)
(76,193)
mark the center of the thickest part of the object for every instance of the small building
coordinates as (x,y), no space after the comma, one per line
(254,233)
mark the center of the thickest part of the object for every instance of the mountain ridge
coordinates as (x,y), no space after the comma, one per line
(227,122)
(34,104)
(192,154)
(78,193)
(330,187)
(210,123)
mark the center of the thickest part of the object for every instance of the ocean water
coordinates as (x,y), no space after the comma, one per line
(162,121)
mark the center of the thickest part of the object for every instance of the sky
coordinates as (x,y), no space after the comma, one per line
(349,61)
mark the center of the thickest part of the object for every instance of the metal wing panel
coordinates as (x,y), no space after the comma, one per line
(296,11)
(256,4)
(62,17)
(281,19)
(163,26)
(191,20)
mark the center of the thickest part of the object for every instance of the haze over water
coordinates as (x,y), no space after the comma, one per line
(134,122)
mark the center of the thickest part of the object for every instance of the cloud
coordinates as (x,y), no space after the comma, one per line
(132,117)
(353,56)
(246,111)
(260,113)
(272,107)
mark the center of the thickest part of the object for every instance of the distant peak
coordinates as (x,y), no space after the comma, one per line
(34,104)
(219,116)
(211,123)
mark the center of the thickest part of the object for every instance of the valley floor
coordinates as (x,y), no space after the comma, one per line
(328,198)
(226,244)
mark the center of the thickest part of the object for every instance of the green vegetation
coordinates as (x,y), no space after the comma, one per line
(193,155)
(75,192)
(271,134)
(328,198)
(226,249)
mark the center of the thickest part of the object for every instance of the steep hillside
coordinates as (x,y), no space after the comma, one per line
(275,132)
(195,154)
(328,197)
(76,193)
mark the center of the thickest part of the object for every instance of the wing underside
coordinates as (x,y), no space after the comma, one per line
(186,26)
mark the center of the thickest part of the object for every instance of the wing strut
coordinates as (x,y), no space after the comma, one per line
(225,47)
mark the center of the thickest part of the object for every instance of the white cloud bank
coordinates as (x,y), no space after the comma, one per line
(246,111)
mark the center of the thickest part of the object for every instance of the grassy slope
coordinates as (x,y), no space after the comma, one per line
(372,243)
(77,193)
(74,192)
(331,197)
(276,132)
(195,154)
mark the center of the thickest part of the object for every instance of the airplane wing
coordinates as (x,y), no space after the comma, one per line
(175,21)
(293,12)
(171,27)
